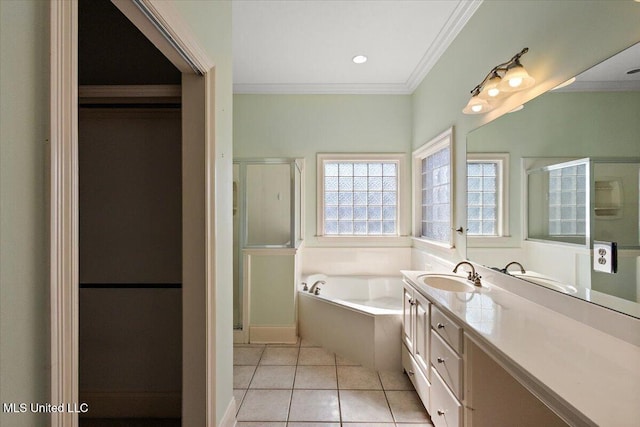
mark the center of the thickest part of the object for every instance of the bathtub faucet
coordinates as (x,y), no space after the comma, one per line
(315,289)
(506,269)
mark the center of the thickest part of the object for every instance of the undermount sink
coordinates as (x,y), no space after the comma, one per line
(447,282)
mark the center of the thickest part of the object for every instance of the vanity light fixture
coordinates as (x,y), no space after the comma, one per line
(359,59)
(503,79)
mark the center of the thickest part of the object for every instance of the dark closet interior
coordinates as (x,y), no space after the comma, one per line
(130,249)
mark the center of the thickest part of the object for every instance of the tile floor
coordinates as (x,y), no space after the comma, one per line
(304,385)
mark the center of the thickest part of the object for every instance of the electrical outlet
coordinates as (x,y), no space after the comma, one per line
(605,256)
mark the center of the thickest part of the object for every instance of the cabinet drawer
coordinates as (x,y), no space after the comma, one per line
(445,410)
(417,377)
(447,363)
(447,329)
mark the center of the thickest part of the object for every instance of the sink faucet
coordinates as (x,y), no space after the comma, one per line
(315,289)
(473,277)
(505,270)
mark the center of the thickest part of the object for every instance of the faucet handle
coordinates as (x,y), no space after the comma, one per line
(476,279)
(304,286)
(317,291)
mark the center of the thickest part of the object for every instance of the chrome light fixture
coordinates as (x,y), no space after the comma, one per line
(498,84)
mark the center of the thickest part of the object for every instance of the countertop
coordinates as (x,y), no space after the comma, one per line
(588,376)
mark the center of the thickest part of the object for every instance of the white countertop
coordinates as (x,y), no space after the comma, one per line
(596,374)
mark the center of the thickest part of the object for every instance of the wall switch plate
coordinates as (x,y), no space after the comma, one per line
(605,257)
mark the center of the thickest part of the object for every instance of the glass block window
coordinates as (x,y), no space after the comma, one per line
(567,201)
(436,195)
(482,198)
(359,198)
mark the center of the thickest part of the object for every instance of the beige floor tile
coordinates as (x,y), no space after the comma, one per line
(368,425)
(343,361)
(313,424)
(260,424)
(247,355)
(316,377)
(314,405)
(409,425)
(364,406)
(242,376)
(316,356)
(358,378)
(392,380)
(280,356)
(274,377)
(265,405)
(407,407)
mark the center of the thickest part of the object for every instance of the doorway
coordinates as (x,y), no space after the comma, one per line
(198,286)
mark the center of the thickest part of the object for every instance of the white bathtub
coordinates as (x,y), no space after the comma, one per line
(357,317)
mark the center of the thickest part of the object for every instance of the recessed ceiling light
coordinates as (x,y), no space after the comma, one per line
(359,59)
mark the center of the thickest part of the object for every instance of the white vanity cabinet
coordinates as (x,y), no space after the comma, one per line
(457,377)
(416,340)
(447,371)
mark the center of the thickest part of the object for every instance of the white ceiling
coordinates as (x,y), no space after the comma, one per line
(611,74)
(306,46)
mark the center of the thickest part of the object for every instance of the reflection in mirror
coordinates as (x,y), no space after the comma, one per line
(572,175)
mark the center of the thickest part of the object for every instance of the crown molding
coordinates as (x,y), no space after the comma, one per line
(456,22)
(313,89)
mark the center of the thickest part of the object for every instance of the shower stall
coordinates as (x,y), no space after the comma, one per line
(267,233)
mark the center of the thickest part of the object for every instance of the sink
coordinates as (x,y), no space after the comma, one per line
(447,282)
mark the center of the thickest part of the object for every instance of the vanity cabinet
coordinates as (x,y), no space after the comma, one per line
(458,380)
(416,340)
(447,371)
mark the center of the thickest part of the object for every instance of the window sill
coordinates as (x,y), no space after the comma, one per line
(425,244)
(392,241)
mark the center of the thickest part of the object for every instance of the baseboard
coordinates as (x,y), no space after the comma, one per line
(273,334)
(132,404)
(229,418)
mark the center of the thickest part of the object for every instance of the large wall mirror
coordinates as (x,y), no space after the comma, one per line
(547,181)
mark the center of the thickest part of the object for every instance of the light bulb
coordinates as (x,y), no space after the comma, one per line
(516,78)
(493,92)
(477,105)
(515,82)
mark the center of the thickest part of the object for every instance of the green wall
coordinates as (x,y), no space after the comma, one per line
(304,125)
(564,38)
(24,261)
(210,23)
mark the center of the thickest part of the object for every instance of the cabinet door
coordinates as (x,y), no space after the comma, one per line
(408,322)
(422,331)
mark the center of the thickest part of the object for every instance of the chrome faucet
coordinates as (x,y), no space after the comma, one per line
(315,289)
(473,277)
(505,270)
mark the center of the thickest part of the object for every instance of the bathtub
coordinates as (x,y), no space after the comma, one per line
(357,317)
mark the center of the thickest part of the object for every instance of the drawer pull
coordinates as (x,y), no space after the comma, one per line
(440,360)
(440,412)
(440,326)
(411,373)
(412,301)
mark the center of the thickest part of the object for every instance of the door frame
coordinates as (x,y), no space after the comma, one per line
(162,25)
